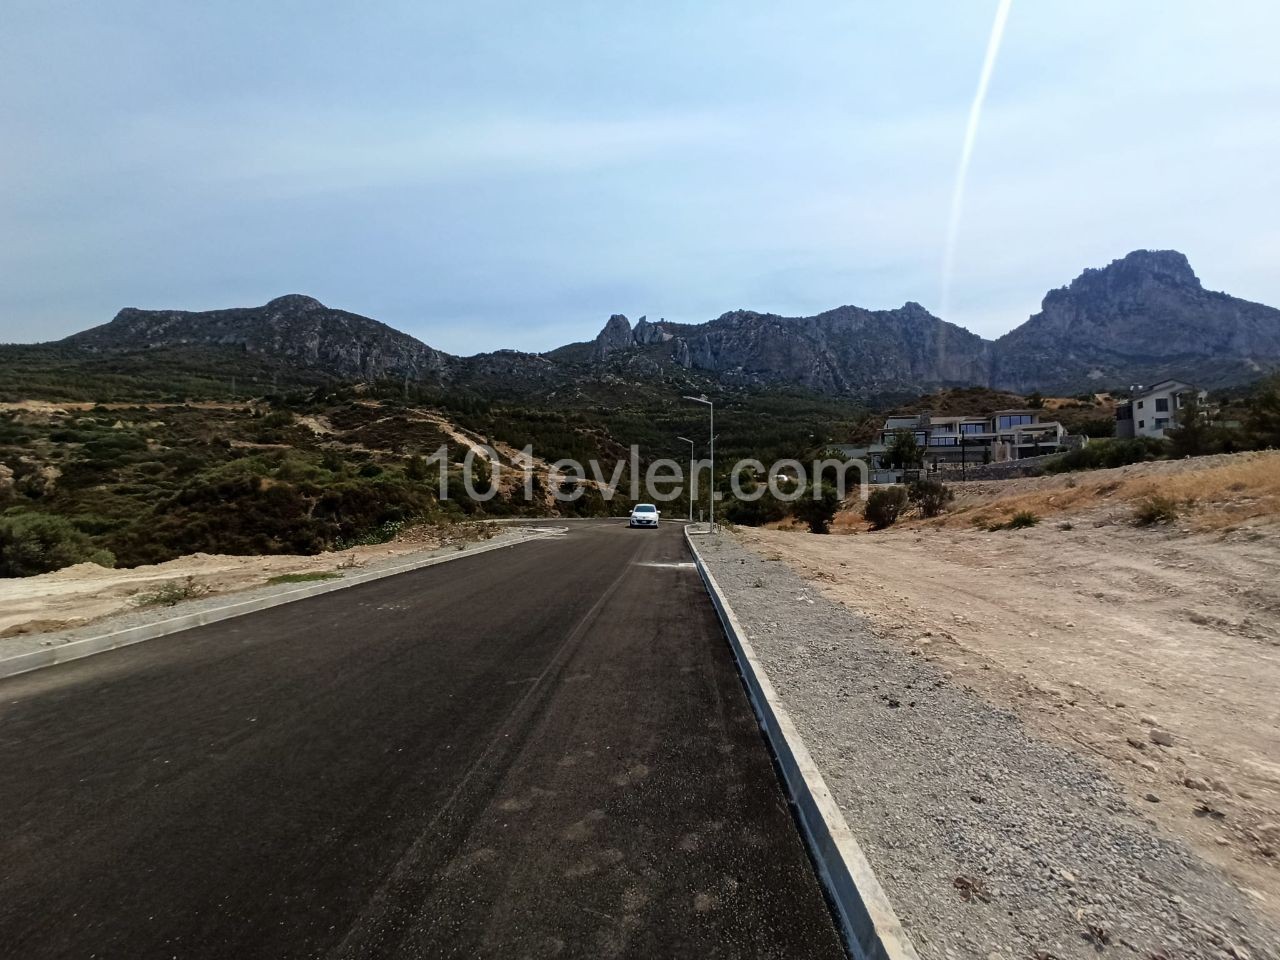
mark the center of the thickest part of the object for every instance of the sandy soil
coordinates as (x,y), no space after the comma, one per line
(86,592)
(1154,650)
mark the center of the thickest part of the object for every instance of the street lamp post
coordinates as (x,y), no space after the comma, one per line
(691,455)
(712,411)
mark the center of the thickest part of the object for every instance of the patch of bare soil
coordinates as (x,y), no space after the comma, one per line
(84,593)
(1155,650)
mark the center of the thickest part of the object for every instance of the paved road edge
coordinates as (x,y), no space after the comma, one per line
(870,926)
(78,649)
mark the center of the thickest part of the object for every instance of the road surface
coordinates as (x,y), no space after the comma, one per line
(541,751)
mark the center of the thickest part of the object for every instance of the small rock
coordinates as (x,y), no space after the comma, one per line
(1195,783)
(1162,738)
(1136,743)
(1152,798)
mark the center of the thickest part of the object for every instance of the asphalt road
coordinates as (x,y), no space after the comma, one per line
(539,751)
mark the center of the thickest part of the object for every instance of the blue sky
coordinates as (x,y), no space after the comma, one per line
(496,174)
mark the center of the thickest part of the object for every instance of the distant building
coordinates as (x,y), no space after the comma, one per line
(1004,435)
(1153,410)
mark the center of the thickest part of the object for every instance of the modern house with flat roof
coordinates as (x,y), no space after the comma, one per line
(1001,436)
(1153,410)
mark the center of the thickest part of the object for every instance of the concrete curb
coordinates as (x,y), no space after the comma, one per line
(77,649)
(870,926)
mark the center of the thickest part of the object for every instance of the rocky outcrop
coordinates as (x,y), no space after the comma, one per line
(844,350)
(615,336)
(619,335)
(1140,319)
(647,333)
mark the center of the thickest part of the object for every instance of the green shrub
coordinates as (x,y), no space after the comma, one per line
(931,496)
(1096,428)
(33,543)
(172,594)
(819,511)
(276,420)
(1105,454)
(1019,521)
(884,506)
(757,511)
(1154,510)
(385,533)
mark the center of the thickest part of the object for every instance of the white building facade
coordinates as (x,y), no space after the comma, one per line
(1154,410)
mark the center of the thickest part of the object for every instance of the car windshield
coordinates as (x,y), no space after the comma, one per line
(646,508)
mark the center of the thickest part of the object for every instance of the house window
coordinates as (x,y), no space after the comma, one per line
(1015,420)
(1140,403)
(943,442)
(1162,405)
(1161,422)
(1142,424)
(971,428)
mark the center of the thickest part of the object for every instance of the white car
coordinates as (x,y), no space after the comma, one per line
(644,515)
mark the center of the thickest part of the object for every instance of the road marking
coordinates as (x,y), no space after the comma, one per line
(668,565)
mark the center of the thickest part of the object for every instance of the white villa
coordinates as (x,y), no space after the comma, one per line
(1153,410)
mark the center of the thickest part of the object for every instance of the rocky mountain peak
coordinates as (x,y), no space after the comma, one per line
(616,335)
(1141,318)
(1135,274)
(293,302)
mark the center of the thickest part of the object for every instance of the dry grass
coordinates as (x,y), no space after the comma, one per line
(1214,493)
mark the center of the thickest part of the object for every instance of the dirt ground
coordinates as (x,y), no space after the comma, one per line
(1155,650)
(86,592)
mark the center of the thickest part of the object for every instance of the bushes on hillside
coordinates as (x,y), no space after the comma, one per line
(1019,521)
(761,508)
(817,511)
(1262,422)
(931,496)
(1155,509)
(260,507)
(1102,454)
(884,506)
(33,543)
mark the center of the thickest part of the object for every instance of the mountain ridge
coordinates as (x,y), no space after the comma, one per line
(1138,319)
(1141,318)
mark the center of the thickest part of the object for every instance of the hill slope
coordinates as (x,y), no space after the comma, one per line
(292,331)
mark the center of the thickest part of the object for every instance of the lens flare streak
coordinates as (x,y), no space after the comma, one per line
(966,152)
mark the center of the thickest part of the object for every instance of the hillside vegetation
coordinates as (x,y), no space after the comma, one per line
(138,483)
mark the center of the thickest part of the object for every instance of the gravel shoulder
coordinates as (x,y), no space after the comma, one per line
(990,839)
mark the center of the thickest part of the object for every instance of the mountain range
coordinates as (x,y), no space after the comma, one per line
(1140,319)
